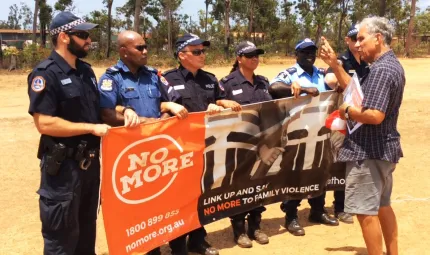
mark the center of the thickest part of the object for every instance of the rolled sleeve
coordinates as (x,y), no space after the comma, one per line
(42,93)
(108,89)
(378,89)
(283,77)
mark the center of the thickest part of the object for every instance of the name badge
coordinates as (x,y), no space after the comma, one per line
(66,81)
(237,92)
(178,87)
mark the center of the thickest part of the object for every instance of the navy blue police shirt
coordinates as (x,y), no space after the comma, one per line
(143,92)
(351,66)
(194,93)
(56,89)
(239,89)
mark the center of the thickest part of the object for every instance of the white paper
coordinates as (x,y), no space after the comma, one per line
(353,95)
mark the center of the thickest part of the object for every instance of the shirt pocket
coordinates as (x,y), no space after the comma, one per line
(130,97)
(70,103)
(153,92)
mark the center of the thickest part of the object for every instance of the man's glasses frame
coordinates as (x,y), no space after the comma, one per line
(80,34)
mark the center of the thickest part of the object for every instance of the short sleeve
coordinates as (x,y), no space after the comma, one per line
(219,91)
(109,90)
(283,77)
(376,94)
(164,88)
(42,93)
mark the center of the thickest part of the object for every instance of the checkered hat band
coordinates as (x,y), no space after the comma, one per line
(184,44)
(66,27)
(245,49)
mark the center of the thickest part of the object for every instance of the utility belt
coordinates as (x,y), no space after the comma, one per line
(56,153)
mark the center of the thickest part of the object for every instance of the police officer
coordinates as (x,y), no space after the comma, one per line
(302,78)
(352,64)
(134,89)
(198,91)
(132,93)
(64,103)
(243,86)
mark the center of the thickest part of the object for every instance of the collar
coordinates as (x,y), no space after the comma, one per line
(387,54)
(121,65)
(186,73)
(300,70)
(62,63)
(240,78)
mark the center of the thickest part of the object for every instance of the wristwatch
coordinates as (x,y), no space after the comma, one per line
(346,112)
(127,107)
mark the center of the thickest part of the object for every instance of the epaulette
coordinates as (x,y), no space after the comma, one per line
(151,69)
(344,57)
(322,70)
(169,71)
(263,77)
(208,73)
(44,64)
(227,78)
(85,63)
(291,70)
(112,69)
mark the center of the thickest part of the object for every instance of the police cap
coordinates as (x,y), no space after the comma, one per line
(306,43)
(65,21)
(189,39)
(248,47)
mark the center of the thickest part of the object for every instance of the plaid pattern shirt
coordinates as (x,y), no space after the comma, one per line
(383,91)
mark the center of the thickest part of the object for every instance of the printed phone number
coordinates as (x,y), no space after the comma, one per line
(150,222)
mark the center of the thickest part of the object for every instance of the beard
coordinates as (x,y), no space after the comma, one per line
(77,50)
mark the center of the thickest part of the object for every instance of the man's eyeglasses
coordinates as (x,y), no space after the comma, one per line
(353,38)
(249,56)
(80,34)
(141,47)
(196,52)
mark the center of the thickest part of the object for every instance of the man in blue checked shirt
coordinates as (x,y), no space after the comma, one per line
(301,79)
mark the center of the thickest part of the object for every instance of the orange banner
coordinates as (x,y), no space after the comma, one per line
(145,170)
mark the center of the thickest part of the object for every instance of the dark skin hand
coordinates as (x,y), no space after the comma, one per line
(281,90)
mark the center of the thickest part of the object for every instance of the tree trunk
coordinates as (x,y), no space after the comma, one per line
(109,27)
(318,34)
(227,29)
(206,19)
(137,10)
(410,29)
(169,30)
(36,10)
(43,34)
(251,17)
(382,7)
(343,10)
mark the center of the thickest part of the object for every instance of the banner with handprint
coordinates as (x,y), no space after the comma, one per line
(164,179)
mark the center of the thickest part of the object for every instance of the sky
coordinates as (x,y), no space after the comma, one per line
(83,7)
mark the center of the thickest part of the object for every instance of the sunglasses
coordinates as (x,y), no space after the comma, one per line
(80,34)
(196,52)
(249,56)
(353,38)
(141,47)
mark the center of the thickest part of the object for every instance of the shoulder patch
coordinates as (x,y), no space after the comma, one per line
(112,69)
(163,80)
(38,84)
(106,85)
(44,64)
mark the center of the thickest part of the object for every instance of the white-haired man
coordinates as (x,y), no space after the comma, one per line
(372,151)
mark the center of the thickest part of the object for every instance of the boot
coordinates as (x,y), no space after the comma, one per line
(254,231)
(240,236)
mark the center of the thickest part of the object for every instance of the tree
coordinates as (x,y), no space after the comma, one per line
(382,7)
(27,15)
(169,9)
(14,17)
(64,5)
(45,17)
(343,11)
(227,29)
(410,29)
(109,25)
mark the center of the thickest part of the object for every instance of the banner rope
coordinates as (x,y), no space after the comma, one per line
(404,198)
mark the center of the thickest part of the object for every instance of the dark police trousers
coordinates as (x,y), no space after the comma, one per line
(339,201)
(68,208)
(316,203)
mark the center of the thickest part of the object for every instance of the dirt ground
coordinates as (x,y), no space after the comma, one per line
(19,216)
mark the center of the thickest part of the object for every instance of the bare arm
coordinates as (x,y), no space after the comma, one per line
(58,127)
(363,115)
(331,80)
(115,118)
(229,104)
(281,90)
